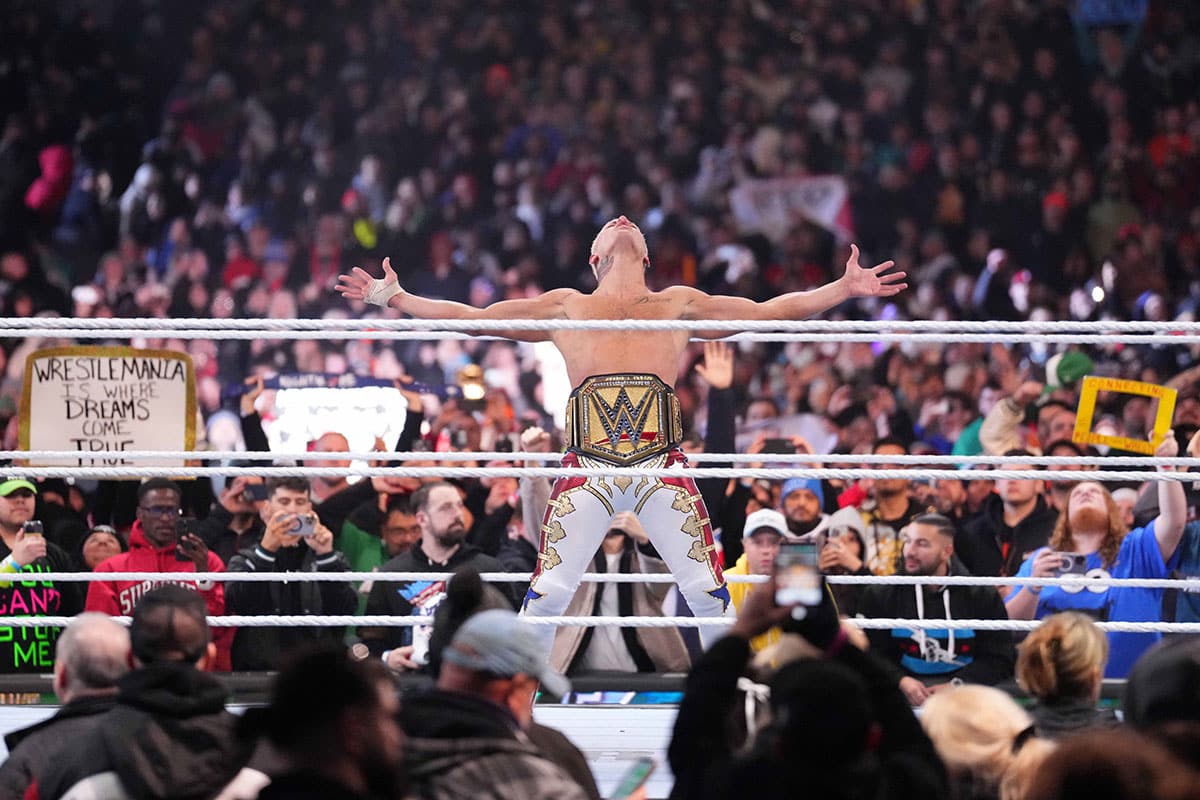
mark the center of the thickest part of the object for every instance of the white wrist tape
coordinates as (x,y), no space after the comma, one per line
(379,292)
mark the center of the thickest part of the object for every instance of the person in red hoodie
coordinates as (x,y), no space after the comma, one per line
(155,546)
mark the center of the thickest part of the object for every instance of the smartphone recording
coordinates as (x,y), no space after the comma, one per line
(797,577)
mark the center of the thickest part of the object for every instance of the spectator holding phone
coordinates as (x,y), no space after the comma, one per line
(161,541)
(1091,530)
(234,523)
(293,540)
(24,549)
(841,728)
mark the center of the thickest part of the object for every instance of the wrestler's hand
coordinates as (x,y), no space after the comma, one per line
(872,282)
(717,367)
(628,522)
(359,285)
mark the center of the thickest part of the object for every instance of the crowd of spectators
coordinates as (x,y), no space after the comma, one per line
(230,159)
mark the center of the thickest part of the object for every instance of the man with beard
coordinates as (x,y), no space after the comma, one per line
(442,548)
(887,513)
(1090,529)
(802,501)
(929,659)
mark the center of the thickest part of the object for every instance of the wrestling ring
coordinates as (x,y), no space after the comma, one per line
(610,733)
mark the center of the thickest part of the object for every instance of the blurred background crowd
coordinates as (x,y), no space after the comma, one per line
(230,158)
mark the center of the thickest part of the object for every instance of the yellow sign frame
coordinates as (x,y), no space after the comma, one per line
(1092,385)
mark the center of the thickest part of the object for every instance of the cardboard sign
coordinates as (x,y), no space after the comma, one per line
(91,399)
(1087,409)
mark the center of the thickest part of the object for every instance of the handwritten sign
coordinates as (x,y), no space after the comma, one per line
(1087,409)
(91,399)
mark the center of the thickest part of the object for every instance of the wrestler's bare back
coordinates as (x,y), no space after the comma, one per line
(600,352)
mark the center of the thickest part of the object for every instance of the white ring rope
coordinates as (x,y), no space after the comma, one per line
(382,621)
(106,473)
(406,335)
(1190,585)
(1107,327)
(705,458)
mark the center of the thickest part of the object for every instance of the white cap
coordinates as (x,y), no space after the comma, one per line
(765,518)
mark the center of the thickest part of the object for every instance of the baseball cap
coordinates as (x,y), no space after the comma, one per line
(1066,369)
(500,642)
(10,485)
(765,518)
(796,484)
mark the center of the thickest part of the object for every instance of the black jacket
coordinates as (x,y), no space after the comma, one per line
(30,651)
(403,599)
(169,736)
(32,749)
(903,765)
(977,656)
(461,746)
(989,546)
(223,540)
(262,648)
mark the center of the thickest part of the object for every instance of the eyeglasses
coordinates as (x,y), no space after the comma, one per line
(161,511)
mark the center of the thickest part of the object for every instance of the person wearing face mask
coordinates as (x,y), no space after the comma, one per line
(1090,530)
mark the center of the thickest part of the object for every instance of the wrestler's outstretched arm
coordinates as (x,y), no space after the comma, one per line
(386,292)
(856,282)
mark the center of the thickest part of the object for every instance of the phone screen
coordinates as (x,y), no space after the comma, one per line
(779,447)
(183,527)
(254,492)
(634,778)
(797,578)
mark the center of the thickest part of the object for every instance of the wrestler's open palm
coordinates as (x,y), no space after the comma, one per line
(357,285)
(875,281)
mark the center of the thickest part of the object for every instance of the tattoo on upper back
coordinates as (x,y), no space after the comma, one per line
(649,299)
(602,267)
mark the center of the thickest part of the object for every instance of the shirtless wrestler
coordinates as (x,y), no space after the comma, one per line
(623,410)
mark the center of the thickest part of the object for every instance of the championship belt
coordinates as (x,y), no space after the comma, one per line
(623,418)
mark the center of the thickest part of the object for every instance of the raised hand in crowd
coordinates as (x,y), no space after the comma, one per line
(535,440)
(717,367)
(250,396)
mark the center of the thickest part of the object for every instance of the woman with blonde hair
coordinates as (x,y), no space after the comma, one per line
(1091,539)
(986,740)
(1062,665)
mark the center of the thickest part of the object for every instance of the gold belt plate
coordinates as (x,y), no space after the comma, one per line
(624,418)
